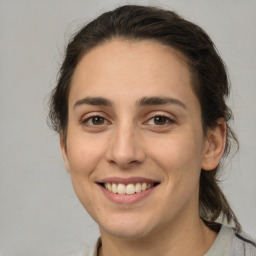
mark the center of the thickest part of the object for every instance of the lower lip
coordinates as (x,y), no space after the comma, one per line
(127,199)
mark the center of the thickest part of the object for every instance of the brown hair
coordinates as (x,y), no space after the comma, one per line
(209,78)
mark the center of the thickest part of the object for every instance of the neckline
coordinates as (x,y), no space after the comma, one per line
(222,243)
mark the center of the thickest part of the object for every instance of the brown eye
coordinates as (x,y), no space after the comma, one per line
(97,120)
(160,120)
(94,121)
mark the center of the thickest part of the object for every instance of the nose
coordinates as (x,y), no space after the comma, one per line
(125,149)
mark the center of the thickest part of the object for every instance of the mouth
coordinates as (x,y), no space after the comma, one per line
(128,189)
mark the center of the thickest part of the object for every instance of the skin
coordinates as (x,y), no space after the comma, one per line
(128,141)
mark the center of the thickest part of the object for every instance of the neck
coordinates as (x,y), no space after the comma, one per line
(191,238)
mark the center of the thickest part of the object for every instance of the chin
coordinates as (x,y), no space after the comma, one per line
(128,229)
(127,233)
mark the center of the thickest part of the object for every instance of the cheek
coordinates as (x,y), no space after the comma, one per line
(180,159)
(83,154)
(178,150)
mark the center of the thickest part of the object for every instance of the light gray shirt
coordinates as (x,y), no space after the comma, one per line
(230,243)
(227,243)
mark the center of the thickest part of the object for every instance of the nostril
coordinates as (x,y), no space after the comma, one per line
(124,164)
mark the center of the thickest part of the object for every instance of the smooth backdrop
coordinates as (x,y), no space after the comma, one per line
(39,212)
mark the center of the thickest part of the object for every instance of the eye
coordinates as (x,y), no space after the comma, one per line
(159,120)
(94,121)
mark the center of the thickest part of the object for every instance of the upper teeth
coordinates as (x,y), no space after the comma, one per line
(128,189)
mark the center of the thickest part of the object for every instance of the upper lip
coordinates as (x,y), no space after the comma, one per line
(125,181)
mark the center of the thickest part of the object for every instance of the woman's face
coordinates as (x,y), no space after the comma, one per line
(134,124)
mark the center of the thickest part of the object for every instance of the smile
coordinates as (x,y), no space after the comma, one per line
(128,189)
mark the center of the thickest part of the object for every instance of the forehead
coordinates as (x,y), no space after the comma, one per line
(132,67)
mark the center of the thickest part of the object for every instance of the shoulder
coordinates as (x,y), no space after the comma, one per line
(232,243)
(89,250)
(228,242)
(242,244)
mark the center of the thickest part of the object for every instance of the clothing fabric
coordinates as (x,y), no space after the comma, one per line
(230,243)
(227,243)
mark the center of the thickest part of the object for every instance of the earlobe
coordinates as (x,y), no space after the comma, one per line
(215,143)
(63,147)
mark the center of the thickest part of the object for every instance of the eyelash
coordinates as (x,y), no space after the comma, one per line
(166,121)
(86,120)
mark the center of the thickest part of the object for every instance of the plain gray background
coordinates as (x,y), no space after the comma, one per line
(39,212)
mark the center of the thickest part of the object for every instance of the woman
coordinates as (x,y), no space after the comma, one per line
(140,109)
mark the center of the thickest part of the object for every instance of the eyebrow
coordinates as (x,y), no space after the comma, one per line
(152,101)
(145,101)
(94,101)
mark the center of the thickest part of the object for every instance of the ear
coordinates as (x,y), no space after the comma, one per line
(214,147)
(63,147)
